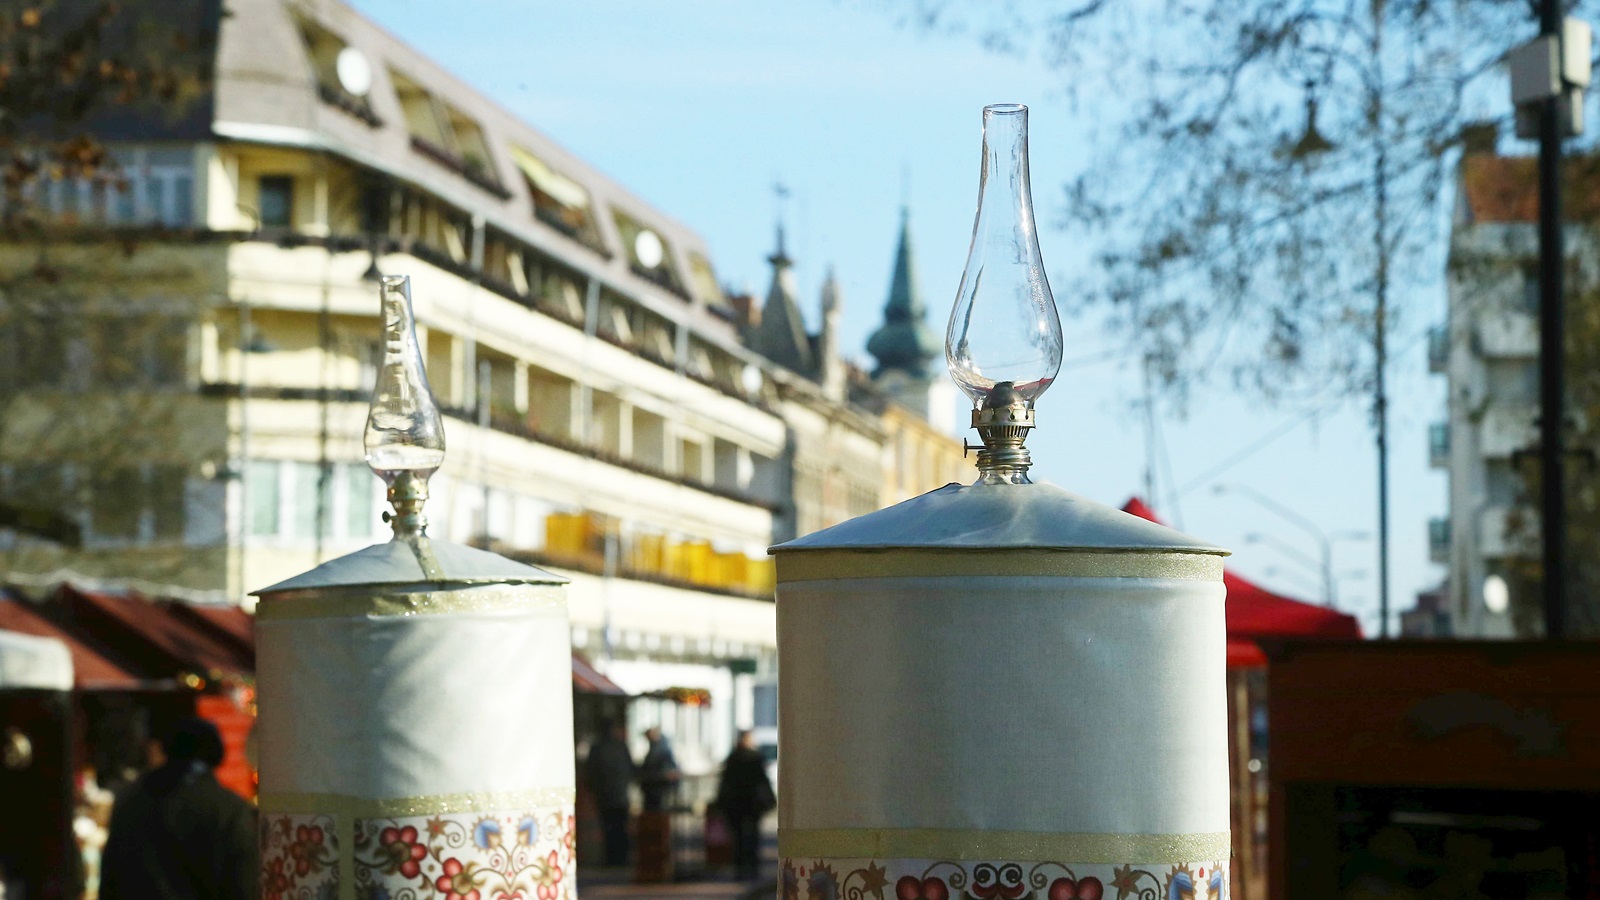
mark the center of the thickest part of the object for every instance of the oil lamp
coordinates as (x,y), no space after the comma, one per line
(415,695)
(1003,345)
(405,434)
(1003,689)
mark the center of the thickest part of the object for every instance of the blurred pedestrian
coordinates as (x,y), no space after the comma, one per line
(658,773)
(743,796)
(609,772)
(176,834)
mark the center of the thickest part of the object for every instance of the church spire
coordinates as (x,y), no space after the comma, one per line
(904,342)
(782,336)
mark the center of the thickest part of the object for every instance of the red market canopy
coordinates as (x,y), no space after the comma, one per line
(586,679)
(1254,612)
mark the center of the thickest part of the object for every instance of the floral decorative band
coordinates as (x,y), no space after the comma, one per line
(457,856)
(943,879)
(818,565)
(975,844)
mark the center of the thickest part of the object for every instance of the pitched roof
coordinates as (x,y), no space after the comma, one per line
(151,635)
(90,669)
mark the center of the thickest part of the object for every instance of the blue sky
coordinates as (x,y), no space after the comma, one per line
(701,107)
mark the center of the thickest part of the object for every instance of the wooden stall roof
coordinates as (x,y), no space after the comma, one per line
(91,670)
(153,634)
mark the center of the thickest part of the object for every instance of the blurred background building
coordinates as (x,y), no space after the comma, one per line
(190,381)
(1488,353)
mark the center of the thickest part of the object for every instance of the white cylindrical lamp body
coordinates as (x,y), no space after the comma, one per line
(416,739)
(1002,692)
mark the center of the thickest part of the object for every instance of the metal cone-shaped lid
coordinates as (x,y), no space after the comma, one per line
(1000,517)
(423,561)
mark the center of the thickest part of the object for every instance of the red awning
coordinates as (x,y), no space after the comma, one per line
(586,679)
(90,670)
(152,635)
(1254,612)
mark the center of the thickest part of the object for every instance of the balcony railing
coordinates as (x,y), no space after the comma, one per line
(1505,430)
(1507,334)
(505,424)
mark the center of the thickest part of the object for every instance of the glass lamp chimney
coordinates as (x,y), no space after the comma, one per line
(405,434)
(1003,345)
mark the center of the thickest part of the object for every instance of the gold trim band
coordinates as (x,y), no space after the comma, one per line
(820,565)
(511,598)
(439,804)
(1031,846)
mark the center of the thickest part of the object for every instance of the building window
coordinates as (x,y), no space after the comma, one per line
(275,201)
(344,77)
(471,149)
(167,490)
(447,135)
(138,187)
(358,495)
(114,503)
(292,500)
(558,201)
(38,344)
(262,486)
(422,117)
(137,351)
(1530,288)
(168,180)
(704,279)
(649,257)
(302,518)
(138,503)
(556,290)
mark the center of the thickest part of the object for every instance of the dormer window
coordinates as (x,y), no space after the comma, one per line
(648,254)
(344,76)
(558,201)
(471,148)
(447,135)
(704,280)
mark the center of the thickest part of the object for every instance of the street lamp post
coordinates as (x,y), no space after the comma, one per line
(1325,541)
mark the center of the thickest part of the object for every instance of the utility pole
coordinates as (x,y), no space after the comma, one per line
(1548,75)
(1380,312)
(1553,522)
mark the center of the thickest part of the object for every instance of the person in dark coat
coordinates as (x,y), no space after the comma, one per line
(658,773)
(176,834)
(609,772)
(743,796)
